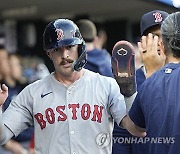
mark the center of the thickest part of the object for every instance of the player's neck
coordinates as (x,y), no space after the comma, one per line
(90,46)
(70,79)
(171,59)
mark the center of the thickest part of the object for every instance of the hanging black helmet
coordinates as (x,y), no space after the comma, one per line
(64,32)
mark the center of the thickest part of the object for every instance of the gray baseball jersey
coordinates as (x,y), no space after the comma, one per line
(69,120)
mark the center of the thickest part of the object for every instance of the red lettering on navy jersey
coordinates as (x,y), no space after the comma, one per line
(85,111)
(62,116)
(40,120)
(97,114)
(74,110)
(50,116)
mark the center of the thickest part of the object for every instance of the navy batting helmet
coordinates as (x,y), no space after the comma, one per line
(64,32)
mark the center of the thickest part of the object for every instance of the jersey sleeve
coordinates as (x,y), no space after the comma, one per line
(117,104)
(136,113)
(18,115)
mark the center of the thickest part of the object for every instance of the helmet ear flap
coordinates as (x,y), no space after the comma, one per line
(81,48)
(82,57)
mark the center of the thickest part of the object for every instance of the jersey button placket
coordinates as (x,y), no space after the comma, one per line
(69,95)
(71,125)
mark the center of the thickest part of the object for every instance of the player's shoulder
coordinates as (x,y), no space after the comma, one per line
(156,79)
(41,83)
(164,73)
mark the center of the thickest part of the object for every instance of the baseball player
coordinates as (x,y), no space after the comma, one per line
(152,55)
(72,109)
(153,60)
(156,106)
(150,23)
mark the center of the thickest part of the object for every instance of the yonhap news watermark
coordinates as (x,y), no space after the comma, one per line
(144,140)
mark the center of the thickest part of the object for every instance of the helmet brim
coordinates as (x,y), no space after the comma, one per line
(65,42)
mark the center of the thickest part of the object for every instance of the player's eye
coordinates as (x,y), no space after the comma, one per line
(70,46)
(55,50)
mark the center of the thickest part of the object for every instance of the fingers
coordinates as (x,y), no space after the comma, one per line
(4,88)
(144,45)
(148,44)
(161,51)
(140,47)
(154,45)
(162,54)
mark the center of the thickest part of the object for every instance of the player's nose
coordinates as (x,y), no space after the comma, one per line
(65,53)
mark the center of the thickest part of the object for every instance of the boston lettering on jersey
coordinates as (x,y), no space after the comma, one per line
(87,112)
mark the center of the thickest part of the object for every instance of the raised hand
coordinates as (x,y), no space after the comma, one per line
(152,55)
(3,94)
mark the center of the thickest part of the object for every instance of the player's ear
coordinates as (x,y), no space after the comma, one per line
(49,54)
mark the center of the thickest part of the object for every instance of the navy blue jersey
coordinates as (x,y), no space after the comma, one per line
(157,108)
(99,61)
(140,77)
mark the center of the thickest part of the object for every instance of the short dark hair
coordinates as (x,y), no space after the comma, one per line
(88,29)
(150,29)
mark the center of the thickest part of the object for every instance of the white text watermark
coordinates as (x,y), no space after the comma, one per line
(144,140)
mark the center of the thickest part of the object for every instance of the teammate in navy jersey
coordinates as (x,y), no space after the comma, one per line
(153,60)
(156,106)
(150,23)
(98,60)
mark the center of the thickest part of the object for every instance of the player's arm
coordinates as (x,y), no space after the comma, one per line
(152,55)
(15,147)
(5,133)
(134,122)
(135,130)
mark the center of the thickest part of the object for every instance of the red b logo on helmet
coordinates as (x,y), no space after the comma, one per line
(158,17)
(60,34)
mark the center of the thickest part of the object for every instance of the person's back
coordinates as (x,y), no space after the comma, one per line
(162,109)
(98,60)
